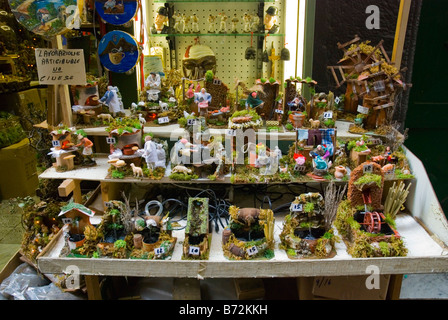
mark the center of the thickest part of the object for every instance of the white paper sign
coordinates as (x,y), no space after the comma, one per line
(159,251)
(163,120)
(280,111)
(367,168)
(60,66)
(194,251)
(191,122)
(230,132)
(252,250)
(328,115)
(110,140)
(55,143)
(296,207)
(363,110)
(66,220)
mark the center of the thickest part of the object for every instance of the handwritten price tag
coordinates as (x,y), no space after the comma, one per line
(67,220)
(252,251)
(163,120)
(280,111)
(159,251)
(191,122)
(110,140)
(296,207)
(55,143)
(230,132)
(363,110)
(328,115)
(194,251)
(367,168)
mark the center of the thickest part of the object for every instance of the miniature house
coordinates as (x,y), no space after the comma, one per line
(196,244)
(77,215)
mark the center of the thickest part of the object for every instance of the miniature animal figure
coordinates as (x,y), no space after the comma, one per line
(163,105)
(181,169)
(387,167)
(141,119)
(314,124)
(105,117)
(137,171)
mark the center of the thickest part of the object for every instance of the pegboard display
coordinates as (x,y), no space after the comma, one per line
(229,49)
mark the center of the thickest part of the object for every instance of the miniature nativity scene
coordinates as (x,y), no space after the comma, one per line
(249,235)
(122,233)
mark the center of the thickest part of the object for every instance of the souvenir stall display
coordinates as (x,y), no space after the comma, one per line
(219,165)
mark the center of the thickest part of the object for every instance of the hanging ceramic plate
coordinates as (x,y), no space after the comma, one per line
(116,12)
(44,17)
(118,51)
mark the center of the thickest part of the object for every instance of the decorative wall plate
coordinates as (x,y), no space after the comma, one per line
(116,12)
(45,17)
(118,51)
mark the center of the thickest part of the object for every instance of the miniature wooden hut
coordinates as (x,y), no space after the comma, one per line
(77,215)
(372,81)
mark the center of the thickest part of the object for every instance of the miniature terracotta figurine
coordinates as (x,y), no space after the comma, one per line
(161,156)
(202,99)
(253,101)
(194,23)
(320,158)
(153,81)
(185,23)
(150,152)
(87,145)
(211,23)
(247,22)
(112,100)
(160,22)
(255,26)
(177,20)
(235,21)
(223,23)
(270,20)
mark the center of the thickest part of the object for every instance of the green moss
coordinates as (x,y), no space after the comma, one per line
(289,127)
(183,177)
(291,252)
(400,175)
(120,244)
(268,254)
(117,174)
(308,207)
(369,178)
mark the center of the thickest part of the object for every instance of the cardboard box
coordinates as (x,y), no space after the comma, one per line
(18,177)
(350,288)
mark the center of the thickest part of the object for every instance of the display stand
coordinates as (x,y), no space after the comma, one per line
(424,229)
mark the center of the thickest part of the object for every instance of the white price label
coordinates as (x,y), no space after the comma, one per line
(296,207)
(252,250)
(337,100)
(328,115)
(110,140)
(159,251)
(163,120)
(379,86)
(191,122)
(230,132)
(363,110)
(280,111)
(67,220)
(194,251)
(367,168)
(56,143)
